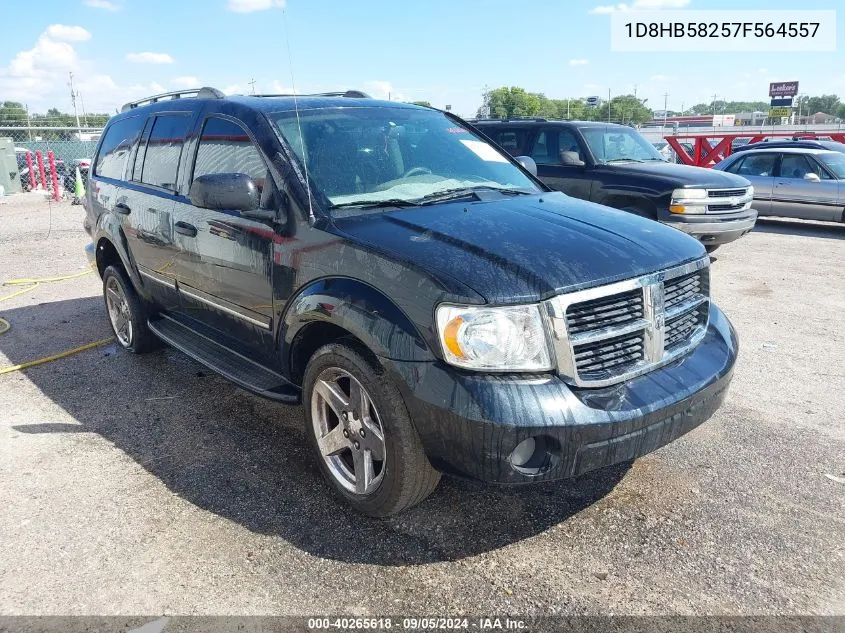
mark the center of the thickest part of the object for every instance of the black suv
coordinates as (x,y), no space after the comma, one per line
(614,165)
(433,306)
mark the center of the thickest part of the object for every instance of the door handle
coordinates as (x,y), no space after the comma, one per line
(122,208)
(184,228)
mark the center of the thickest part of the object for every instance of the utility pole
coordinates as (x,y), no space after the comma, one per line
(251,83)
(28,122)
(568,116)
(665,111)
(73,101)
(84,115)
(635,90)
(608,105)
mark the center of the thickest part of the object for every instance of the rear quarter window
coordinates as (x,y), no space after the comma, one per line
(117,144)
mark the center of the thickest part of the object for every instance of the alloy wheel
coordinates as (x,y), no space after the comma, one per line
(349,433)
(120,314)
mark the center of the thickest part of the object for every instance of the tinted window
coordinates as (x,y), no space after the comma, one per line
(550,143)
(755,165)
(618,144)
(117,143)
(794,166)
(512,141)
(164,148)
(225,148)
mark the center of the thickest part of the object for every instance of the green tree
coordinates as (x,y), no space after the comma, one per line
(624,109)
(427,104)
(503,103)
(12,113)
(829,104)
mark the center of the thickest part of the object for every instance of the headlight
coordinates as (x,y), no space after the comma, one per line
(509,338)
(688,201)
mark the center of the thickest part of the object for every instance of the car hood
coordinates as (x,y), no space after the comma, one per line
(681,175)
(524,248)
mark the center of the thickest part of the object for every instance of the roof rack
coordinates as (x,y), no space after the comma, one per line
(350,94)
(199,93)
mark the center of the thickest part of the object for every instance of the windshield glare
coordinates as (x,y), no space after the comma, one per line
(835,163)
(371,154)
(612,144)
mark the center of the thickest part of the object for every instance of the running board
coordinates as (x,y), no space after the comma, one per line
(226,362)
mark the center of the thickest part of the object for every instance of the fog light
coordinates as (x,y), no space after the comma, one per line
(523,453)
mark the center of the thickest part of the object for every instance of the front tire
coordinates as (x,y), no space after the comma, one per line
(127,313)
(362,436)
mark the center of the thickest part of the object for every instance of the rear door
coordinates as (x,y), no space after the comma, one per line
(759,168)
(796,197)
(148,200)
(546,146)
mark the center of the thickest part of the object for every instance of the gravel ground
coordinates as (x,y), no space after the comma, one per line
(148,485)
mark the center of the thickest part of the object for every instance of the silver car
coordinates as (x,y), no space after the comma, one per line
(793,182)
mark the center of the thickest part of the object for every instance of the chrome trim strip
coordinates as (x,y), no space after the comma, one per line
(193,294)
(610,331)
(687,306)
(653,326)
(170,283)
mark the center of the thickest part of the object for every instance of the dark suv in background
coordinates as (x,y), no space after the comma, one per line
(432,305)
(614,165)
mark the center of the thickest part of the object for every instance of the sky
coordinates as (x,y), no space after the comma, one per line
(442,51)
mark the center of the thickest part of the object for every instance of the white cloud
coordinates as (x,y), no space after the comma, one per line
(661,78)
(383,90)
(185,81)
(149,58)
(249,6)
(65,33)
(579,62)
(641,5)
(102,4)
(233,89)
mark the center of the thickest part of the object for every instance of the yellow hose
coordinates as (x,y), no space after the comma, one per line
(32,284)
(48,359)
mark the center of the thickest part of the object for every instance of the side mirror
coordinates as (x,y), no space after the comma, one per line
(812,177)
(229,192)
(528,163)
(570,159)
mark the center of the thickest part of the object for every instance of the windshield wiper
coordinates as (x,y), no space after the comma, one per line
(464,192)
(375,204)
(624,160)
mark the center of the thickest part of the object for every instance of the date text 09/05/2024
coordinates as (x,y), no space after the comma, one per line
(418,624)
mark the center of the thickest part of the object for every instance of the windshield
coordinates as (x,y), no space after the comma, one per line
(835,162)
(372,154)
(614,144)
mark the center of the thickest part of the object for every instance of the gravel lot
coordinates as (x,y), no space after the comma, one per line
(148,485)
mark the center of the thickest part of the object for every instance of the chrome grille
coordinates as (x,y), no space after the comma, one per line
(611,333)
(611,311)
(602,359)
(725,193)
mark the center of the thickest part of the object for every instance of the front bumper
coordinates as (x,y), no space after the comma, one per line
(470,424)
(714,229)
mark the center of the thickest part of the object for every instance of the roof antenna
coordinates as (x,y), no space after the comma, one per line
(298,123)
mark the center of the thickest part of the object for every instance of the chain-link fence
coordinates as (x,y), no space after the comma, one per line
(70,147)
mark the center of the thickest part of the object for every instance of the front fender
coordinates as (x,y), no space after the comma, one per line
(361,310)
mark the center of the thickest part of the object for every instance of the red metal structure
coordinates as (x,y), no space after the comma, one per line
(709,149)
(31,169)
(51,159)
(42,177)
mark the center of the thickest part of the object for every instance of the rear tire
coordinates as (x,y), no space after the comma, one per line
(127,313)
(349,448)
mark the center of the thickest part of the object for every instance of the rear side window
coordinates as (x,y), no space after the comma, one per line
(754,164)
(225,148)
(164,149)
(117,144)
(512,141)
